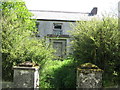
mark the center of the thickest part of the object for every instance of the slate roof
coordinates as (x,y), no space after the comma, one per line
(61,15)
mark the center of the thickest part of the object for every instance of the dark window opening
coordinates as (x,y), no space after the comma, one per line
(57,26)
(57,29)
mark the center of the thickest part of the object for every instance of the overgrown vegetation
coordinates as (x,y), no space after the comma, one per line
(58,74)
(19,43)
(98,42)
(95,41)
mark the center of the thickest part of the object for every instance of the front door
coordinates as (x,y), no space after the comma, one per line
(58,47)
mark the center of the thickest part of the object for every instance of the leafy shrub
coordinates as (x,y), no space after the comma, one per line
(98,42)
(58,74)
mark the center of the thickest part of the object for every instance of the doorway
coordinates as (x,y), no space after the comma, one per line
(60,48)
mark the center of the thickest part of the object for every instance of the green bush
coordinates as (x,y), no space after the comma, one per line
(58,74)
(19,43)
(98,42)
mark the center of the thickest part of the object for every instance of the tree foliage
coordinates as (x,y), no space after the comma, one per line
(98,42)
(19,43)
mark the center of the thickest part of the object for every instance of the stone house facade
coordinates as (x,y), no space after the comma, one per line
(54,26)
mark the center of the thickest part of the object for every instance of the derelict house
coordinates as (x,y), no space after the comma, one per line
(55,27)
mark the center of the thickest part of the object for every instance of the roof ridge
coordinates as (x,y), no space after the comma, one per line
(58,11)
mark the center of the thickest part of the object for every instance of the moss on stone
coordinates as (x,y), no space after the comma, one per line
(89,67)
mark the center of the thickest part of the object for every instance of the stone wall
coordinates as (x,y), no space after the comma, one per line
(89,76)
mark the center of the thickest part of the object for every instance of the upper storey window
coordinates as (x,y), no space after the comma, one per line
(57,28)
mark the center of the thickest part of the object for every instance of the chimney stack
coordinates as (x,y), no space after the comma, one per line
(93,11)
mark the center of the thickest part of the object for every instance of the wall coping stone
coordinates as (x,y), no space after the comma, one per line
(89,67)
(26,68)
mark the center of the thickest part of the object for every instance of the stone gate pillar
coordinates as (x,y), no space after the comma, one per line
(89,76)
(26,75)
